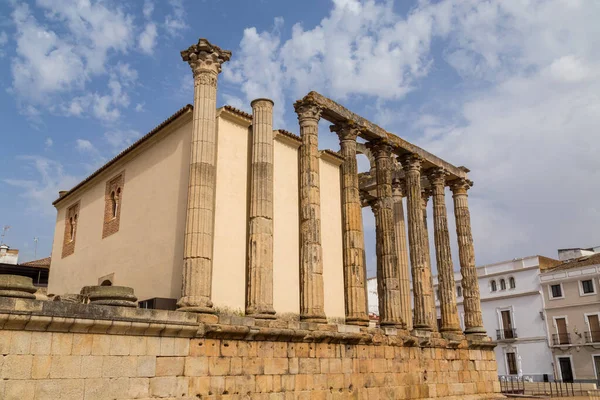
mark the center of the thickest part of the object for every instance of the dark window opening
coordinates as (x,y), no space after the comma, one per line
(556,291)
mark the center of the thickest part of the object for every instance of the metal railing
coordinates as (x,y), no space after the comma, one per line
(592,337)
(504,334)
(514,385)
(561,338)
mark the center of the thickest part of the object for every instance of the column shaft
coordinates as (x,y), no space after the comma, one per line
(446,284)
(388,282)
(466,254)
(425,194)
(422,290)
(311,256)
(402,252)
(205,61)
(355,271)
(259,290)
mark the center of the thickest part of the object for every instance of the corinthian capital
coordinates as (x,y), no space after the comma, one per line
(437,176)
(205,57)
(410,162)
(460,185)
(346,130)
(380,148)
(307,109)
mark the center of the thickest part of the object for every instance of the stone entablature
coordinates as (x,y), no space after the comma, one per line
(55,350)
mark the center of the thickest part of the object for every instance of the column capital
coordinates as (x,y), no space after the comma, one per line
(437,176)
(307,110)
(460,186)
(205,57)
(425,195)
(380,148)
(410,162)
(399,188)
(346,130)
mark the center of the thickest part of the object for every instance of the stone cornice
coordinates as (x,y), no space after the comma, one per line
(234,115)
(331,157)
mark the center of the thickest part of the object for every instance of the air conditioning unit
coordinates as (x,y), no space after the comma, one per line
(159,303)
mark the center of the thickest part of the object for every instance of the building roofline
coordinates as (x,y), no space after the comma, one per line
(128,150)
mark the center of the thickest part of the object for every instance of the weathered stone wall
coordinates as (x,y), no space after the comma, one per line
(53,350)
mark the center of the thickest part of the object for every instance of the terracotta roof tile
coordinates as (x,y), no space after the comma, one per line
(584,261)
(141,140)
(41,263)
(239,112)
(289,134)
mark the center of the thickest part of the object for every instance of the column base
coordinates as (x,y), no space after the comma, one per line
(360,321)
(476,330)
(262,315)
(453,335)
(315,318)
(195,305)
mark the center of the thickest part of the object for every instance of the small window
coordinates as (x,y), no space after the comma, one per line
(587,286)
(493,286)
(458,291)
(511,282)
(70,233)
(556,291)
(113,201)
(502,284)
(71,229)
(113,205)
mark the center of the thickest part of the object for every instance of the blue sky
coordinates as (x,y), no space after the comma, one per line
(509,88)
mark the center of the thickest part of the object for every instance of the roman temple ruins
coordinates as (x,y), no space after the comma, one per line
(244,244)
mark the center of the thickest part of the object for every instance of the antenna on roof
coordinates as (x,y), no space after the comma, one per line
(35,240)
(4,230)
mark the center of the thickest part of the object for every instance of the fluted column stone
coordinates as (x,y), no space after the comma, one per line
(388,281)
(205,60)
(425,195)
(422,289)
(355,270)
(446,284)
(259,289)
(466,254)
(402,252)
(311,255)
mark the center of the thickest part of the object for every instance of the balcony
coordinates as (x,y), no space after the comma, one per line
(506,334)
(561,338)
(592,337)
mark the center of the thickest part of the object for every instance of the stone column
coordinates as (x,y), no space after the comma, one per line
(355,269)
(446,284)
(466,255)
(388,281)
(311,256)
(402,252)
(259,290)
(422,290)
(425,195)
(205,60)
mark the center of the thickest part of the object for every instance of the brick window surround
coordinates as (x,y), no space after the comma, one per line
(71,220)
(113,198)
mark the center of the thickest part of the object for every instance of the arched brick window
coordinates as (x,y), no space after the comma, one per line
(113,205)
(71,217)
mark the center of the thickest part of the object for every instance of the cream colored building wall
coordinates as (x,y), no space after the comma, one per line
(147,251)
(231,214)
(286,228)
(331,236)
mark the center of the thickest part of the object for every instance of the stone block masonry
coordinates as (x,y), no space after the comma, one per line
(54,350)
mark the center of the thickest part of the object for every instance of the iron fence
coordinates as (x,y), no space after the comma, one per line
(514,385)
(592,337)
(561,338)
(504,334)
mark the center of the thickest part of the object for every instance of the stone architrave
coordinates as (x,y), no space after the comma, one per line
(446,284)
(311,254)
(205,60)
(388,280)
(259,290)
(422,290)
(352,230)
(425,195)
(402,252)
(466,255)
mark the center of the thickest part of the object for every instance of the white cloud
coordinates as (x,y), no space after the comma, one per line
(139,107)
(147,39)
(48,143)
(148,9)
(175,21)
(39,192)
(59,55)
(85,145)
(120,139)
(3,41)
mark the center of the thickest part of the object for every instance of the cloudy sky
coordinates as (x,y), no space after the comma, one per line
(508,88)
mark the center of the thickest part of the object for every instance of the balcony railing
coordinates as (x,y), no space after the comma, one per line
(561,338)
(505,334)
(592,337)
